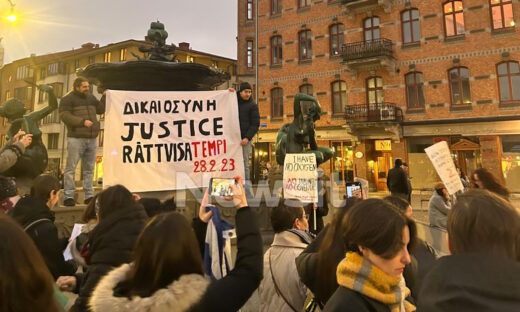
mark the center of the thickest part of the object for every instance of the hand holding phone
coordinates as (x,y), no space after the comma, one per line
(354,190)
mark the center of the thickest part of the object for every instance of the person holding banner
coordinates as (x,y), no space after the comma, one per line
(249,123)
(78,110)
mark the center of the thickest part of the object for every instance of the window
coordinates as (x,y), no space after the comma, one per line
(92,59)
(459,86)
(276,50)
(305,44)
(375,93)
(77,64)
(502,14)
(304,3)
(249,8)
(414,90)
(276,7)
(410,26)
(42,96)
(339,96)
(214,64)
(306,89)
(23,72)
(7,95)
(52,118)
(453,18)
(342,162)
(52,140)
(190,59)
(101,138)
(249,53)
(371,28)
(107,57)
(276,102)
(55,68)
(122,54)
(509,81)
(23,93)
(336,38)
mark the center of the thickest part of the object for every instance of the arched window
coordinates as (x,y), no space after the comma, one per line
(276,50)
(336,38)
(414,90)
(375,93)
(508,74)
(371,28)
(339,96)
(305,45)
(410,26)
(276,102)
(459,86)
(453,12)
(501,14)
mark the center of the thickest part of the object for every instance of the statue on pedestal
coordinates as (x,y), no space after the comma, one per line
(299,135)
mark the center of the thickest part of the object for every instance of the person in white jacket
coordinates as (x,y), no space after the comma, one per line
(281,288)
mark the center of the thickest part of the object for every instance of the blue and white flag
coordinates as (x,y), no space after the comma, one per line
(217,249)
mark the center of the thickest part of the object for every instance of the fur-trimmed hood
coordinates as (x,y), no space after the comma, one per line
(180,295)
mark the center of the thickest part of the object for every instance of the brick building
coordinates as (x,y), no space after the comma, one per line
(59,70)
(393,77)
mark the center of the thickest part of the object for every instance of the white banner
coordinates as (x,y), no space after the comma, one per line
(157,141)
(300,177)
(440,156)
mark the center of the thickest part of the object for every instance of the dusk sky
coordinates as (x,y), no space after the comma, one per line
(58,25)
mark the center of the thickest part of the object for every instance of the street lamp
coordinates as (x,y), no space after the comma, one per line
(12,15)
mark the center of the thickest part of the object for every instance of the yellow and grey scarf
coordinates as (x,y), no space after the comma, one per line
(356,273)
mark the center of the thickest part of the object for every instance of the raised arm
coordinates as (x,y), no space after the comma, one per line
(53,104)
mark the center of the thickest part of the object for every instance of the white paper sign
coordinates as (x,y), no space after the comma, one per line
(157,141)
(440,156)
(75,233)
(300,177)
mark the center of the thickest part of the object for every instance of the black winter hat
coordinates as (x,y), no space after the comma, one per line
(7,187)
(245,86)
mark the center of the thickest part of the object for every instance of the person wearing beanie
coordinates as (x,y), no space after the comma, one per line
(8,192)
(249,123)
(397,181)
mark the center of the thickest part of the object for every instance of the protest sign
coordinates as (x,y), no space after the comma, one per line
(157,141)
(76,230)
(300,177)
(440,156)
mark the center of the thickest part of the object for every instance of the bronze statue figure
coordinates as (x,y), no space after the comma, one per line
(299,135)
(159,51)
(34,161)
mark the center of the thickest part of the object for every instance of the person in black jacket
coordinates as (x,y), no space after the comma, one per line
(167,272)
(111,242)
(376,236)
(397,181)
(34,214)
(482,272)
(249,122)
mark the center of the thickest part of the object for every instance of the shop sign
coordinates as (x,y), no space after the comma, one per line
(383,145)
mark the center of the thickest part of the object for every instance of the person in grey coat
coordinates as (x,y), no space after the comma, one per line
(439,206)
(10,153)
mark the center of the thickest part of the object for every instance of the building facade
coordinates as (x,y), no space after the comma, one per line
(393,77)
(18,79)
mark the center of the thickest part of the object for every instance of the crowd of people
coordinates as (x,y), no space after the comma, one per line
(140,254)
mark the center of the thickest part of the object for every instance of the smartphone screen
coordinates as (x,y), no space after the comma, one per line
(221,187)
(354,189)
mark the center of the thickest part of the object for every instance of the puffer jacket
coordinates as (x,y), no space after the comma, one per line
(287,292)
(75,108)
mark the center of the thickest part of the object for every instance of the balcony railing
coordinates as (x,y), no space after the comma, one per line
(367,49)
(373,112)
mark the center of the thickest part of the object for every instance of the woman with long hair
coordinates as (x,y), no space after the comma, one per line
(481,274)
(167,272)
(34,214)
(25,282)
(110,243)
(323,256)
(370,277)
(484,179)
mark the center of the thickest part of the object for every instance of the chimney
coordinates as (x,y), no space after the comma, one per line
(89,45)
(184,46)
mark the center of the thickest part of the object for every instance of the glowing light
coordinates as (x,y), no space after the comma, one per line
(11,17)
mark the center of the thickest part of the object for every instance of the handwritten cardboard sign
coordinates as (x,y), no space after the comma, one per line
(440,157)
(300,177)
